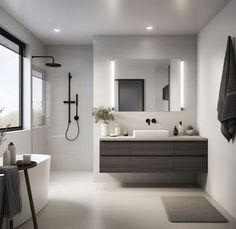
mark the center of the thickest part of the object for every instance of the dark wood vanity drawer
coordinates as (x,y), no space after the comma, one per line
(112,164)
(152,164)
(190,164)
(114,148)
(190,148)
(152,148)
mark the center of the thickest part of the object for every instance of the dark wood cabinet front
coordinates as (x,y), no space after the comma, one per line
(190,164)
(152,148)
(191,148)
(114,164)
(114,148)
(151,164)
(153,156)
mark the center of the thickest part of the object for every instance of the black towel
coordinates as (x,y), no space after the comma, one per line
(227,96)
(2,187)
(11,194)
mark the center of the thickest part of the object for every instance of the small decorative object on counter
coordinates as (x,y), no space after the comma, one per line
(103,114)
(27,159)
(175,131)
(7,157)
(117,131)
(12,150)
(112,129)
(181,129)
(125,132)
(190,130)
(112,135)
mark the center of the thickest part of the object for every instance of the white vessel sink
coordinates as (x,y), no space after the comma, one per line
(150,133)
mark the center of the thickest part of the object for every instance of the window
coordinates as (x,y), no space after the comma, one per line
(11,69)
(38,98)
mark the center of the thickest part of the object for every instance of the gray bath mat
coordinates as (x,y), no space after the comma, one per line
(191,210)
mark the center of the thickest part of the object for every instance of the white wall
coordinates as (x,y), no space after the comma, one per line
(220,181)
(14,27)
(107,48)
(39,137)
(23,139)
(78,60)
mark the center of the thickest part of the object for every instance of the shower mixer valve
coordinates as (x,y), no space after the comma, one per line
(76,117)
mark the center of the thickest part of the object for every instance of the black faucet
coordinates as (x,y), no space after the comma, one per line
(154,121)
(149,121)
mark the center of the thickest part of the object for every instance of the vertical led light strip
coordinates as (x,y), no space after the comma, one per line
(112,63)
(182,85)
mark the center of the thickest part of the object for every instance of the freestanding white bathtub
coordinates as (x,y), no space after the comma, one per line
(39,180)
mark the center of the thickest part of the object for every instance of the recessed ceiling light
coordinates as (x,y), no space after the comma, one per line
(57,30)
(149,27)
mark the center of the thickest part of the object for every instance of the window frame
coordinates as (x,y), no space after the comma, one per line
(21,53)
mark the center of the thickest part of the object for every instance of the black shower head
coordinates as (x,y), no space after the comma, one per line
(53,64)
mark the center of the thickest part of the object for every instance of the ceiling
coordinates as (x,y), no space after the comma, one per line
(80,20)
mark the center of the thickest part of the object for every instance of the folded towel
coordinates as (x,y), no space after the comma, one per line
(227,96)
(11,198)
(2,185)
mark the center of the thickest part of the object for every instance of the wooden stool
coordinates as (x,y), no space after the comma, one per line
(27,181)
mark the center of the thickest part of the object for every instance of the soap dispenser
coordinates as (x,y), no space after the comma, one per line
(181,129)
(12,150)
(175,131)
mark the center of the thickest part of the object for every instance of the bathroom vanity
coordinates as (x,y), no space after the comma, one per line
(186,154)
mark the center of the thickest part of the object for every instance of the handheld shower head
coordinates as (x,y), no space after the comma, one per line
(53,64)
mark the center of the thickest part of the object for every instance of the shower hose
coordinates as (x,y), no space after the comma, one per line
(67,130)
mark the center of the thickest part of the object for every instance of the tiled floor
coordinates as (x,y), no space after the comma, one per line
(78,203)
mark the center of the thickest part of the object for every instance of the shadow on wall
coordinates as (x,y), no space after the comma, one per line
(202,180)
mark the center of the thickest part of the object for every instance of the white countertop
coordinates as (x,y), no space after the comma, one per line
(171,138)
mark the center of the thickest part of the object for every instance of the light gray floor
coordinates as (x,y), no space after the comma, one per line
(78,203)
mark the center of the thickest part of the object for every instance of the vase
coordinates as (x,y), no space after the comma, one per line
(104,129)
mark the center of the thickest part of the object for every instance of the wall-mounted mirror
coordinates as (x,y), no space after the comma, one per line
(151,85)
